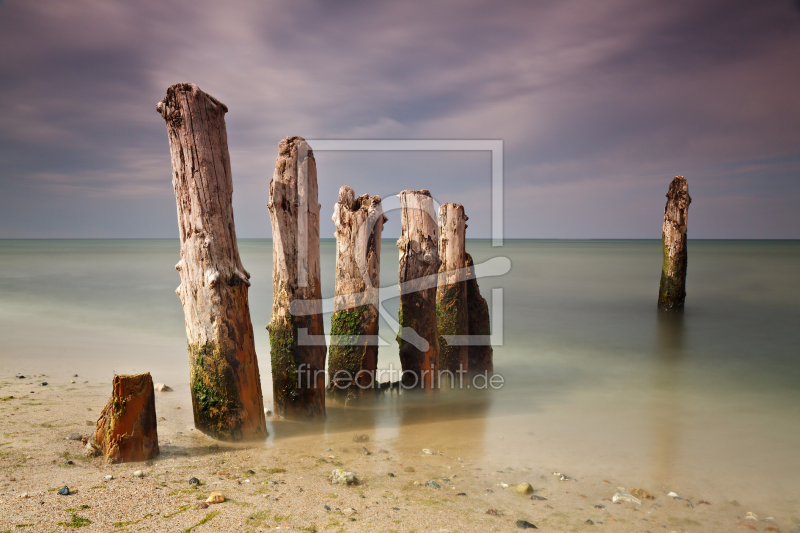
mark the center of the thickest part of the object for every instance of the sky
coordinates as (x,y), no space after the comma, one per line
(598,104)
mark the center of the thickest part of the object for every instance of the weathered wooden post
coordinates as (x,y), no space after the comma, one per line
(127,429)
(296,332)
(672,292)
(353,357)
(418,276)
(480,354)
(451,292)
(223,367)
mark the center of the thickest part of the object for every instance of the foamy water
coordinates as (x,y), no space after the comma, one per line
(596,384)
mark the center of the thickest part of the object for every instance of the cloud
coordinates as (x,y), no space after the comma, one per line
(588,97)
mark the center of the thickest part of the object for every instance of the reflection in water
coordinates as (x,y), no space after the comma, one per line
(669,353)
(456,416)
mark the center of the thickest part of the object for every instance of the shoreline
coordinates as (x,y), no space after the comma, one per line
(285,483)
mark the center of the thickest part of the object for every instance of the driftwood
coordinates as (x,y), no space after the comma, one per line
(353,357)
(480,354)
(225,382)
(296,332)
(672,291)
(419,264)
(126,430)
(451,292)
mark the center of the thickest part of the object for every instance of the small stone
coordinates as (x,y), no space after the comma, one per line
(24,495)
(89,423)
(43,383)
(215,497)
(21,377)
(341,477)
(194,481)
(74,436)
(642,494)
(426,451)
(91,450)
(390,474)
(409,469)
(461,493)
(365,451)
(326,507)
(489,490)
(109,477)
(524,524)
(138,473)
(202,505)
(251,472)
(360,438)
(64,491)
(73,381)
(160,387)
(432,484)
(589,522)
(523,488)
(540,498)
(74,375)
(70,462)
(349,511)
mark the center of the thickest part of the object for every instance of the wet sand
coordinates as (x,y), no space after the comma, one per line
(284,483)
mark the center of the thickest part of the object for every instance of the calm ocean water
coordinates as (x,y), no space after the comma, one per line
(595,381)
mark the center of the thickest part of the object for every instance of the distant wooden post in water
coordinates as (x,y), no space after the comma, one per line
(296,332)
(451,292)
(480,354)
(419,267)
(672,292)
(223,367)
(353,357)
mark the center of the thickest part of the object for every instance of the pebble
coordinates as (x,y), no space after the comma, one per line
(74,436)
(751,516)
(109,477)
(251,472)
(89,423)
(540,498)
(160,387)
(21,377)
(432,484)
(620,497)
(194,481)
(390,474)
(341,477)
(326,507)
(524,524)
(215,497)
(349,511)
(589,522)
(72,381)
(64,491)
(202,505)
(24,495)
(523,488)
(74,375)
(642,494)
(138,473)
(360,438)
(426,451)
(43,384)
(409,469)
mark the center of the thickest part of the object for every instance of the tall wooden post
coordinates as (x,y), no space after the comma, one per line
(296,332)
(419,267)
(223,367)
(451,292)
(353,358)
(480,353)
(672,292)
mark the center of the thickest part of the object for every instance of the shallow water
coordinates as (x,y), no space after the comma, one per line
(596,383)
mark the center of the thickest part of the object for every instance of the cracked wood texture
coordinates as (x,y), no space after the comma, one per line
(480,355)
(126,430)
(223,367)
(451,291)
(672,290)
(298,361)
(418,275)
(353,357)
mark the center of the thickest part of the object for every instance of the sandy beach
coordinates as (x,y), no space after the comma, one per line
(285,483)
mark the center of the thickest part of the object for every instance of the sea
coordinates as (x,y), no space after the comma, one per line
(596,382)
